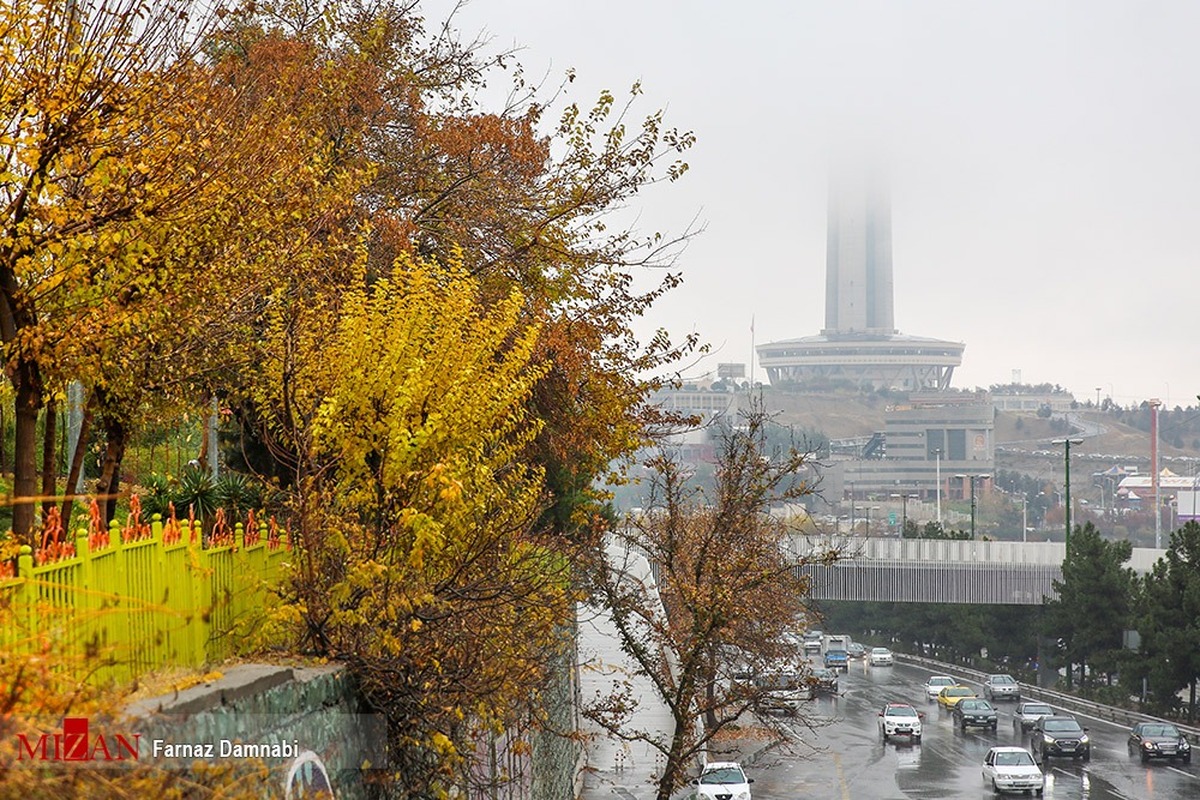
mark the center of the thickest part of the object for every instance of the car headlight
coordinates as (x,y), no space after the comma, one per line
(1047,740)
(1148,745)
(1183,744)
(1083,739)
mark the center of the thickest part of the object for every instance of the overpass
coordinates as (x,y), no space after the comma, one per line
(940,570)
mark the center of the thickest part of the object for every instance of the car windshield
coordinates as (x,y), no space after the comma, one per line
(723,775)
(941,682)
(1002,679)
(1061,725)
(1160,730)
(1014,759)
(1038,709)
(901,711)
(958,691)
(975,705)
(879,650)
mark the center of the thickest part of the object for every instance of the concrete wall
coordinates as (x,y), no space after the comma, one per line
(314,719)
(311,716)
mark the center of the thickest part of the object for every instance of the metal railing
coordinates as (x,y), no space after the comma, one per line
(1059,700)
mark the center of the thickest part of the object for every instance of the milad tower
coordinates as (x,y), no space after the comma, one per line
(860,346)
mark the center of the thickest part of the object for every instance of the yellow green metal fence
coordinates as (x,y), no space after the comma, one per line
(131,600)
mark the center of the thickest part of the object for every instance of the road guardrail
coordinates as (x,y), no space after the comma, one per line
(1067,702)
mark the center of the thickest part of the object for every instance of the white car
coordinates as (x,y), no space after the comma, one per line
(936,683)
(723,779)
(900,719)
(881,657)
(1012,769)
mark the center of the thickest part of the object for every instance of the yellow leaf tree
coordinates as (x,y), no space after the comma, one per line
(404,403)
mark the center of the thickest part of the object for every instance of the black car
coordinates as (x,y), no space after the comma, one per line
(826,680)
(1059,736)
(1159,740)
(974,712)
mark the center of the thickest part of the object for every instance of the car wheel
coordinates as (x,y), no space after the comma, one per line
(1087,756)
(964,726)
(917,739)
(1038,792)
(995,788)
(1187,759)
(994,724)
(1145,757)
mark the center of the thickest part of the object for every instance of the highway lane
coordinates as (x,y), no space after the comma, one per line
(841,756)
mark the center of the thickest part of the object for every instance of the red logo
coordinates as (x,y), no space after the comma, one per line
(76,743)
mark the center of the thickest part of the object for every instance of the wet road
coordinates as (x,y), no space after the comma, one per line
(841,757)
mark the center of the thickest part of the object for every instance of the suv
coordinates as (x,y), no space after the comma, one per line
(900,719)
(974,712)
(1001,687)
(826,680)
(1059,736)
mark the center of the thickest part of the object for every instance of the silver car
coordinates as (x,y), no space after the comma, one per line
(1001,687)
(1028,713)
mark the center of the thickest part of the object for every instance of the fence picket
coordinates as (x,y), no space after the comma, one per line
(144,599)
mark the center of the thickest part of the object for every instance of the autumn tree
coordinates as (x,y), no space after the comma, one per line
(148,186)
(525,193)
(418,565)
(728,589)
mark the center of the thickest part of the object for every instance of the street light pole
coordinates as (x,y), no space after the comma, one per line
(972,508)
(972,478)
(1024,518)
(853,521)
(1067,484)
(938,455)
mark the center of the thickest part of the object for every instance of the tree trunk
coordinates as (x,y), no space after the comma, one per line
(110,475)
(673,770)
(85,426)
(3,440)
(28,384)
(1192,700)
(49,459)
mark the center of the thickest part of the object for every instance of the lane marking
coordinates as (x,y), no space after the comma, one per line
(1181,772)
(837,763)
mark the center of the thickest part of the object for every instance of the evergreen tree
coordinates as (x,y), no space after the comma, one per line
(1094,601)
(1169,619)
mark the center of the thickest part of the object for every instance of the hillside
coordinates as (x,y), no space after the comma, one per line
(841,416)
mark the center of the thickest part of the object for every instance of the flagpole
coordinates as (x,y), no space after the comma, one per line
(752,351)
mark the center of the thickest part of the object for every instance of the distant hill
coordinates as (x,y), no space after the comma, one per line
(847,415)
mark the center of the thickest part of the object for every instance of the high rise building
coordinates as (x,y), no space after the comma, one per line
(860,346)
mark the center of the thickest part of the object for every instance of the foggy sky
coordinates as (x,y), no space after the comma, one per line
(1044,160)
